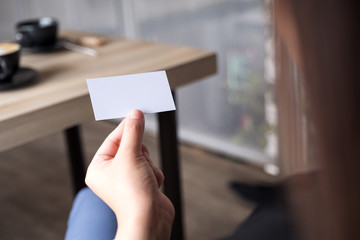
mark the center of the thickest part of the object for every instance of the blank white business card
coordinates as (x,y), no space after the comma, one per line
(115,97)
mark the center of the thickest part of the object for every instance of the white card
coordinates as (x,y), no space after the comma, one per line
(116,97)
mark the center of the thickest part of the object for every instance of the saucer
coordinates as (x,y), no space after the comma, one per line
(45,49)
(21,77)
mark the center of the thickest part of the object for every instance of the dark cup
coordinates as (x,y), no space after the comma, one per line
(9,60)
(35,33)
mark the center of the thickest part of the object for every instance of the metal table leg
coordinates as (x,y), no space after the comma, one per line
(76,159)
(171,168)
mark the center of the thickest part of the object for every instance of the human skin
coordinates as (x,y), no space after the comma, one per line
(286,28)
(124,177)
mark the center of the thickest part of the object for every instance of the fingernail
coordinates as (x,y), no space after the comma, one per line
(135,114)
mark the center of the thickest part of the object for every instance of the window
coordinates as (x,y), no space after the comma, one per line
(232,112)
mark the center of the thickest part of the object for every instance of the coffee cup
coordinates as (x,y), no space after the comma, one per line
(9,60)
(35,33)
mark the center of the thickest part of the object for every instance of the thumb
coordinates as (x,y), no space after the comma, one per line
(131,142)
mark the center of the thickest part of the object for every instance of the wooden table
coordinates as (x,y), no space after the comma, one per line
(59,100)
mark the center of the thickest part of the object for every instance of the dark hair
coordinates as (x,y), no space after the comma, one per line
(329,37)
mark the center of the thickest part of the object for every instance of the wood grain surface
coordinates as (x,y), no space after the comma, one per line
(59,98)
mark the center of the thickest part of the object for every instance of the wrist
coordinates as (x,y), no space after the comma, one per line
(147,220)
(135,229)
(136,224)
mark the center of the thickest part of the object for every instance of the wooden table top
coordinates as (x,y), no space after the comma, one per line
(59,97)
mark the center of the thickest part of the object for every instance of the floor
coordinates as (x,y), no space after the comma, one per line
(36,194)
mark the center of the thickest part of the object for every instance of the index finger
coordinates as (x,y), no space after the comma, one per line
(110,146)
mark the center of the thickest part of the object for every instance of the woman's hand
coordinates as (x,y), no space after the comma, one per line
(122,175)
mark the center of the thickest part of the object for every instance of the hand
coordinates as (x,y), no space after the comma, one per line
(123,176)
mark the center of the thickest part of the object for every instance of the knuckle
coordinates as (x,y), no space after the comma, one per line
(145,148)
(135,126)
